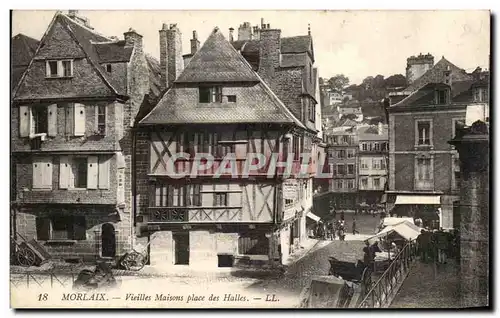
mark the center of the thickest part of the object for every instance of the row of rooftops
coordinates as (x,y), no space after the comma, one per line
(218,60)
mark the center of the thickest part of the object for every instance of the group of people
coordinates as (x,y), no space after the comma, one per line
(329,230)
(438,246)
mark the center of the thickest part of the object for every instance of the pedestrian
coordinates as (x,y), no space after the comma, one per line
(366,256)
(325,233)
(441,246)
(422,245)
(331,230)
(342,215)
(354,231)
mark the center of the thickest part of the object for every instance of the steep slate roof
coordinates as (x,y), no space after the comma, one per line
(460,92)
(113,52)
(436,75)
(217,61)
(370,133)
(85,37)
(23,48)
(256,102)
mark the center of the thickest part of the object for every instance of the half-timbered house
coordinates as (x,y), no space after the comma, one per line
(201,209)
(72,114)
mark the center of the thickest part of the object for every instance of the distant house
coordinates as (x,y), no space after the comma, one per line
(373,165)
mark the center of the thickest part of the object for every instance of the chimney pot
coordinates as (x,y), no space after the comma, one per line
(268,26)
(195,44)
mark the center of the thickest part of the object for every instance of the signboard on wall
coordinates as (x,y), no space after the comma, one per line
(290,189)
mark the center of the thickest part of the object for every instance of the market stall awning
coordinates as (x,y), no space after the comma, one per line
(405,229)
(313,216)
(394,220)
(418,199)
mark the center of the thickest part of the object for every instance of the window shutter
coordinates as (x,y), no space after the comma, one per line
(52,120)
(24,121)
(104,173)
(64,172)
(92,171)
(37,174)
(79,228)
(47,69)
(79,123)
(60,70)
(70,119)
(47,173)
(42,229)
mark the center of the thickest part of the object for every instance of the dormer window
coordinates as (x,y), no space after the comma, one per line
(210,94)
(481,94)
(61,68)
(441,97)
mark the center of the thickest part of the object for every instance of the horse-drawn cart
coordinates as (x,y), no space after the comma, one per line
(29,252)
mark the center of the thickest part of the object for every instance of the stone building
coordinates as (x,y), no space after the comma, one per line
(72,113)
(373,160)
(473,211)
(255,95)
(416,66)
(423,168)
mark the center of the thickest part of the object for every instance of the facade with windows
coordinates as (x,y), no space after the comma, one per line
(343,162)
(373,166)
(207,208)
(424,170)
(71,146)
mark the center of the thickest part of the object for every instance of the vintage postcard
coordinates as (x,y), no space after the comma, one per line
(249,159)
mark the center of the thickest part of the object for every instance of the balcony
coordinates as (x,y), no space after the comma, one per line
(196,215)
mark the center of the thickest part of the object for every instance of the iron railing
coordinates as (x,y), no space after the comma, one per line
(383,291)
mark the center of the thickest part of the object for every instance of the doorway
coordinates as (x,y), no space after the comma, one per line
(181,248)
(108,240)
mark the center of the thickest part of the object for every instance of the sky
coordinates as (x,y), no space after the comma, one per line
(354,43)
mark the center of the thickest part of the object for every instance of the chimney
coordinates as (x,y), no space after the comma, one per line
(163,57)
(245,32)
(262,25)
(269,53)
(171,61)
(380,128)
(231,39)
(447,75)
(195,44)
(309,29)
(73,15)
(133,39)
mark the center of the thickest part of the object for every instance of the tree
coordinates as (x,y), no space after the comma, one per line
(396,80)
(338,82)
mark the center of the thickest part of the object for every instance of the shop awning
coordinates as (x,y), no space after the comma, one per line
(394,220)
(313,216)
(405,229)
(418,199)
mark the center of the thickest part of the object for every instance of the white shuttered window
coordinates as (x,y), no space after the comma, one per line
(90,172)
(42,173)
(79,117)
